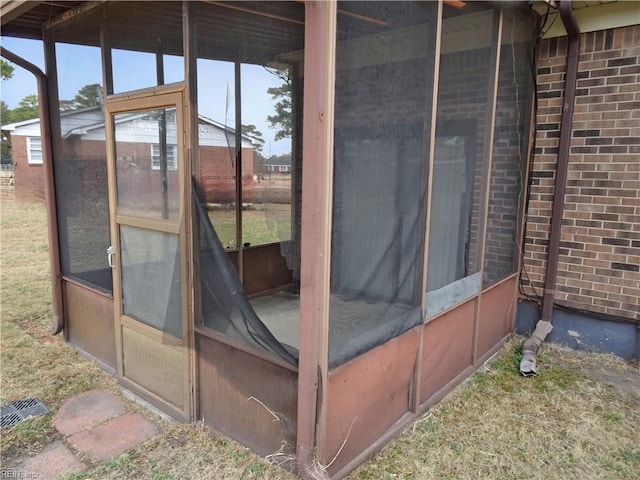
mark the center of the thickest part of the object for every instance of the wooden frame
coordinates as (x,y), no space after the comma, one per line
(154,98)
(425,254)
(317,185)
(491,121)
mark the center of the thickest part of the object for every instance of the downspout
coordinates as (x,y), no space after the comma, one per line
(530,348)
(49,186)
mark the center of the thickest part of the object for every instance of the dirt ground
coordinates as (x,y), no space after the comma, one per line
(623,376)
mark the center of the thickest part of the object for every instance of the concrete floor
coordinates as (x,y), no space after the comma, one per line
(350,319)
(281,314)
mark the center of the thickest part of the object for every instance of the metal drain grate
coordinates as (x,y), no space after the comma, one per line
(20,410)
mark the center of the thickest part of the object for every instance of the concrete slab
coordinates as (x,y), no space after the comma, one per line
(53,460)
(87,409)
(113,438)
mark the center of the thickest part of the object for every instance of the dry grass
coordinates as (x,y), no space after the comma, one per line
(34,363)
(578,419)
(561,424)
(186,452)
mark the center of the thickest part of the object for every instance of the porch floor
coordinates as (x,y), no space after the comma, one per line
(355,324)
(281,314)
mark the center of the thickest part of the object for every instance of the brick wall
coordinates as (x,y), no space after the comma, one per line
(599,264)
(509,159)
(463,92)
(29,179)
(217,175)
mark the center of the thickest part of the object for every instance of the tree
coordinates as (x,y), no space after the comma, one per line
(88,96)
(66,105)
(282,119)
(5,147)
(255,134)
(26,109)
(5,113)
(6,70)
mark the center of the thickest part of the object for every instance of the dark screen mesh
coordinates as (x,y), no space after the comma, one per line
(83,219)
(225,305)
(137,33)
(384,80)
(80,163)
(247,167)
(461,156)
(510,143)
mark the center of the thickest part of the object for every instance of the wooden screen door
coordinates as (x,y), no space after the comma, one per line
(148,184)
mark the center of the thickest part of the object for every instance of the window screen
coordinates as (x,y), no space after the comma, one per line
(510,143)
(384,80)
(80,164)
(461,157)
(151,286)
(249,114)
(145,39)
(146,44)
(269,192)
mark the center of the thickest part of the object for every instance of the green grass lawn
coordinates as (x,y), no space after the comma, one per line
(263,223)
(579,419)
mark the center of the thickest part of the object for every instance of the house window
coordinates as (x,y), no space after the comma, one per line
(172,159)
(283,168)
(34,150)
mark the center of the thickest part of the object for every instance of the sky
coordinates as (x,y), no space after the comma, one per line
(134,70)
(23,83)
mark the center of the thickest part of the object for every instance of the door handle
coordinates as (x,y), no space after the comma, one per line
(111,251)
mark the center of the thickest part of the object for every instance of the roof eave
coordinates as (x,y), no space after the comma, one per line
(12,9)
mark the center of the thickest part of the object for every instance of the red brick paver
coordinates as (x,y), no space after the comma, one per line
(87,409)
(96,425)
(114,437)
(53,460)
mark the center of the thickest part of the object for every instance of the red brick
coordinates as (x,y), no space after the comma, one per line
(53,461)
(113,438)
(87,409)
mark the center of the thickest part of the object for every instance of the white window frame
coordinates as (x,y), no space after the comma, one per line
(172,157)
(283,168)
(34,149)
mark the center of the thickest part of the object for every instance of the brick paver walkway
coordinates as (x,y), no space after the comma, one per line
(96,426)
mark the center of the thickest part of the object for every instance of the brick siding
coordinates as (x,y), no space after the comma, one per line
(599,264)
(29,179)
(217,175)
(508,164)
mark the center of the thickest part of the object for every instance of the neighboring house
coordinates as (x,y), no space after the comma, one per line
(83,134)
(26,154)
(281,164)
